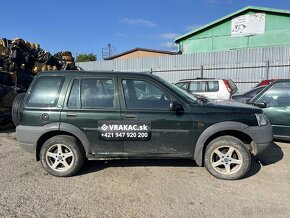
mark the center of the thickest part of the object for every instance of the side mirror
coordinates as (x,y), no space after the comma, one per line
(177,107)
(261,104)
(248,101)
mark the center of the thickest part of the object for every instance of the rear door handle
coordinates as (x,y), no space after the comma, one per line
(130,116)
(71,114)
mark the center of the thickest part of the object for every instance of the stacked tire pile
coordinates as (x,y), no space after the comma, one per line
(20,60)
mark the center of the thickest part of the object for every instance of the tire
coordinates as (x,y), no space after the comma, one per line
(227,158)
(16,108)
(62,156)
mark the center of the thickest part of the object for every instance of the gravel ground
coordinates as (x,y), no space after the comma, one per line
(142,188)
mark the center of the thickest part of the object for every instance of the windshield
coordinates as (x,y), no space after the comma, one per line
(233,86)
(180,91)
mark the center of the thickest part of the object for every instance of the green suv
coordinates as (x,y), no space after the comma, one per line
(69,116)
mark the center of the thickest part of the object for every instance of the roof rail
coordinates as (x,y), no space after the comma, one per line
(197,78)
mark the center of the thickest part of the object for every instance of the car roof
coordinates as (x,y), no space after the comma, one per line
(279,81)
(198,79)
(77,73)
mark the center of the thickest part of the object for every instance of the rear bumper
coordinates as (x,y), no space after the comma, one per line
(28,136)
(262,137)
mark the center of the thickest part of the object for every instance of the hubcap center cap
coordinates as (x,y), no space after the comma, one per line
(226,160)
(59,158)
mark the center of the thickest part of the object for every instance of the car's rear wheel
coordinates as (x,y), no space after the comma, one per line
(227,157)
(62,155)
(16,107)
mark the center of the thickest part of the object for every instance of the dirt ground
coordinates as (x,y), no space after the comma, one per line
(142,188)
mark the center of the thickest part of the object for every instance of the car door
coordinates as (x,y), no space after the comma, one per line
(146,102)
(90,104)
(277,99)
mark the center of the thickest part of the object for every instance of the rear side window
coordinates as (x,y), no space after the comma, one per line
(213,86)
(97,93)
(197,86)
(45,91)
(92,93)
(74,100)
(204,86)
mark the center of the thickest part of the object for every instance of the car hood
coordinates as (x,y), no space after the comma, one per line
(241,98)
(225,106)
(237,95)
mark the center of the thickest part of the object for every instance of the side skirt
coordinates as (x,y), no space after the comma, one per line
(114,156)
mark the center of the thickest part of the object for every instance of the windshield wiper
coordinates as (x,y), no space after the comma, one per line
(201,99)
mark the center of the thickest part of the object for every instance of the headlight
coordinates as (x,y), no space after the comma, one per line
(262,119)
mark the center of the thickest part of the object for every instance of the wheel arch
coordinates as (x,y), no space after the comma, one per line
(64,129)
(230,128)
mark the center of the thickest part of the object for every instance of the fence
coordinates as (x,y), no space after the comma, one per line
(246,67)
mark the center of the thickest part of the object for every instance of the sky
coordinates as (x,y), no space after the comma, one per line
(88,26)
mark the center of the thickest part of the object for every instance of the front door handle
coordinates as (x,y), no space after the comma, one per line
(130,116)
(71,114)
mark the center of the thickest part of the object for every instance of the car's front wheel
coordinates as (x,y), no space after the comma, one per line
(62,155)
(227,157)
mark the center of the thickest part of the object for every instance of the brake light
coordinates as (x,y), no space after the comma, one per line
(227,85)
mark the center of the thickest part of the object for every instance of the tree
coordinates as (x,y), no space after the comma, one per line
(86,57)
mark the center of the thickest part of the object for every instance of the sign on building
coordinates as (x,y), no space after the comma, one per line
(249,24)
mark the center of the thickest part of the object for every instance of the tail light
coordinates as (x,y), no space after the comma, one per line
(227,86)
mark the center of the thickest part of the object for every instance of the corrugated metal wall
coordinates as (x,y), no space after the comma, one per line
(245,67)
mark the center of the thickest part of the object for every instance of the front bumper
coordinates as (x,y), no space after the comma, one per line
(262,137)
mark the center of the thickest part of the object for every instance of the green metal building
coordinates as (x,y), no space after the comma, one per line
(250,27)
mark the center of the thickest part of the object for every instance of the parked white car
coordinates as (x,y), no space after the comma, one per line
(211,88)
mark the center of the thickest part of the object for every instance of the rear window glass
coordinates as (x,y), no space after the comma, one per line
(45,92)
(232,86)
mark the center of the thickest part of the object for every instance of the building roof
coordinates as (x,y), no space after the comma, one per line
(141,49)
(245,9)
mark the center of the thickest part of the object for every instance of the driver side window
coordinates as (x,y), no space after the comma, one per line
(141,94)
